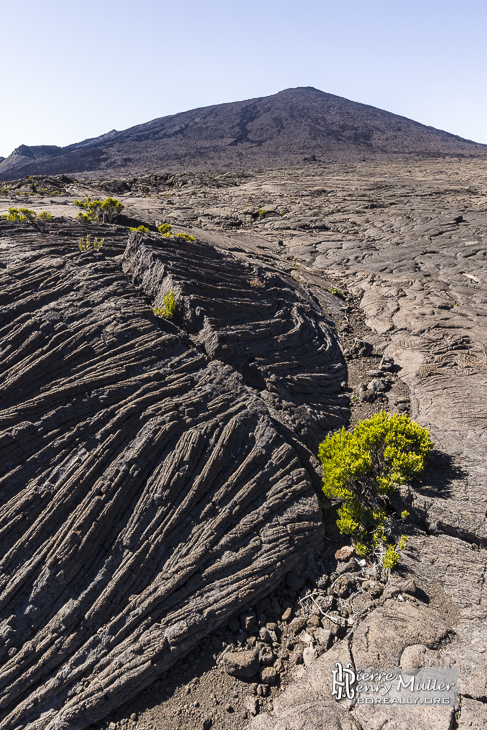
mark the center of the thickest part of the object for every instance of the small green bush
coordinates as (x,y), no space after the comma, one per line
(88,245)
(45,216)
(360,470)
(165,229)
(142,229)
(110,208)
(85,217)
(262,213)
(99,210)
(27,216)
(20,215)
(337,292)
(391,556)
(169,306)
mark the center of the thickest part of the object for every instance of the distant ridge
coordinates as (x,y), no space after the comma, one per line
(25,155)
(292,126)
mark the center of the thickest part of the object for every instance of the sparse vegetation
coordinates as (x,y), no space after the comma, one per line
(99,210)
(337,292)
(24,215)
(165,229)
(86,244)
(362,468)
(110,208)
(141,229)
(169,306)
(20,215)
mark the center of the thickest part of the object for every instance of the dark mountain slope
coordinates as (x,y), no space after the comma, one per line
(25,155)
(271,131)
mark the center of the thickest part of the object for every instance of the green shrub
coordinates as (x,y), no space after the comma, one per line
(27,216)
(169,306)
(45,216)
(99,210)
(142,229)
(262,213)
(111,207)
(360,470)
(20,215)
(88,245)
(165,229)
(90,205)
(337,292)
(391,556)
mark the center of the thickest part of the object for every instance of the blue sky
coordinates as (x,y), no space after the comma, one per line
(73,71)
